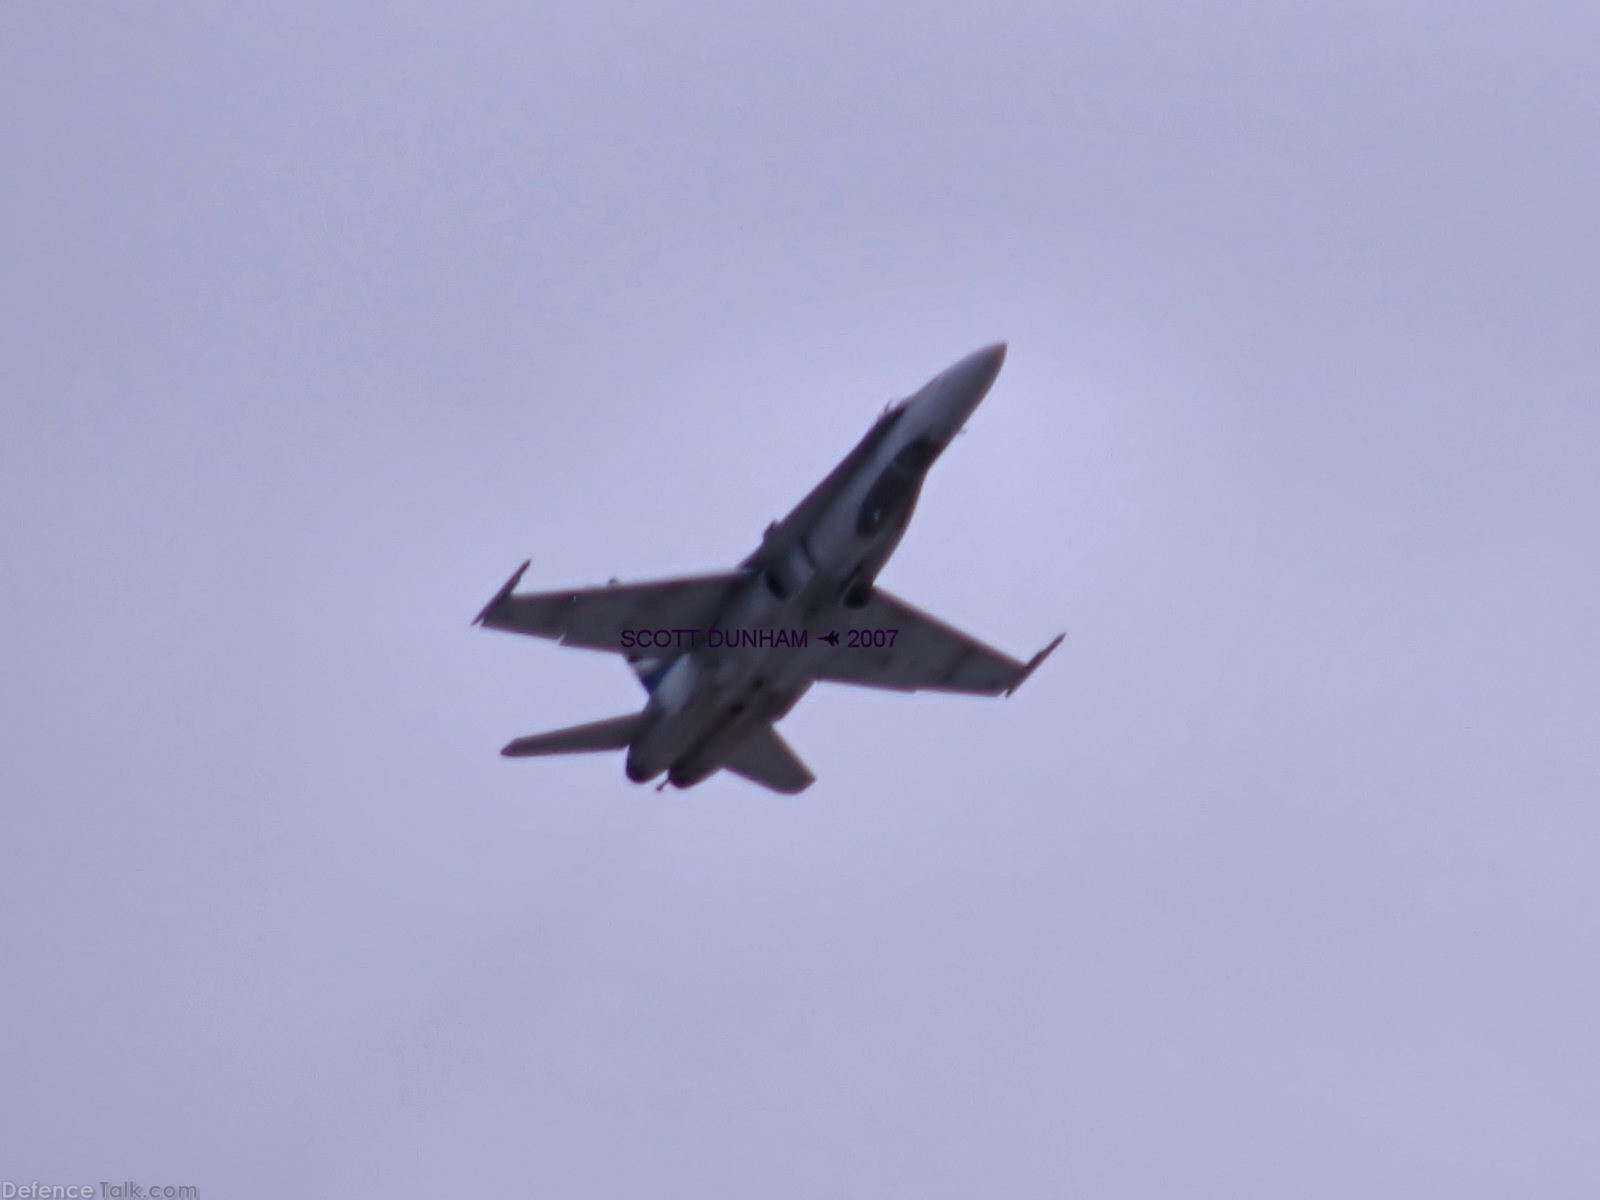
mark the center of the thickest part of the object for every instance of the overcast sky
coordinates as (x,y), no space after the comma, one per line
(1279,880)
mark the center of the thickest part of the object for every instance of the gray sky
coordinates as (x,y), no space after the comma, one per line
(1279,880)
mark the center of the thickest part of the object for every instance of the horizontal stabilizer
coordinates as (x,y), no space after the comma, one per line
(765,758)
(611,734)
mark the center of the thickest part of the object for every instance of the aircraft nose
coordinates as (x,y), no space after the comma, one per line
(976,372)
(961,388)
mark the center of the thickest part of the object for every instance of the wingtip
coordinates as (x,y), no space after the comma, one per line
(1035,662)
(505,590)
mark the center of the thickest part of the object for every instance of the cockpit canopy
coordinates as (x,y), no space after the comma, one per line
(899,480)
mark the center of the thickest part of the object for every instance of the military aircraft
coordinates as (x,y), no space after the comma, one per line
(726,655)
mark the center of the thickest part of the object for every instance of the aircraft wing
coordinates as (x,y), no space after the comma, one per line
(920,653)
(595,618)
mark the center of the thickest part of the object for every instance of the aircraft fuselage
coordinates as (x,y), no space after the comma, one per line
(707,699)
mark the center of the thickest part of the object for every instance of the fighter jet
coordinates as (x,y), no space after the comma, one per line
(725,656)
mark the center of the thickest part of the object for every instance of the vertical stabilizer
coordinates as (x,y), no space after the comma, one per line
(651,670)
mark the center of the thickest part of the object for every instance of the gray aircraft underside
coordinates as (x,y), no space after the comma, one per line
(725,656)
